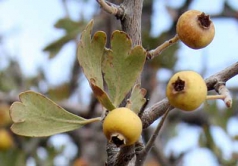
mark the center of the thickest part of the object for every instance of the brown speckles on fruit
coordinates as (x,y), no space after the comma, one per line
(195,29)
(186,90)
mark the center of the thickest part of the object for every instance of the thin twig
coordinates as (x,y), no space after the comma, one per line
(156,132)
(111,8)
(222,90)
(222,76)
(106,7)
(153,53)
(141,156)
(143,107)
(154,112)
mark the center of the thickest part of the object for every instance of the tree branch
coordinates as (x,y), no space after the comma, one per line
(222,76)
(142,155)
(112,9)
(131,24)
(158,109)
(163,107)
(222,90)
(154,112)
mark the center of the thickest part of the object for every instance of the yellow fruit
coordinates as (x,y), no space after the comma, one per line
(80,162)
(195,29)
(4,115)
(6,140)
(122,126)
(186,90)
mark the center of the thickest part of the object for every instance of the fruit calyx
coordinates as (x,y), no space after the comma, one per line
(178,85)
(204,20)
(118,139)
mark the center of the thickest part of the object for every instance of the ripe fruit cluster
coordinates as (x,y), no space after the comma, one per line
(195,29)
(186,90)
(122,126)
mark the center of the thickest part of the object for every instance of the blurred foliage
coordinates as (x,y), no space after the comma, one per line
(72,30)
(17,157)
(11,77)
(60,92)
(12,157)
(218,117)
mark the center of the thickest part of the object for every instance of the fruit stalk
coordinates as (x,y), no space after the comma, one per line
(214,97)
(157,51)
(224,95)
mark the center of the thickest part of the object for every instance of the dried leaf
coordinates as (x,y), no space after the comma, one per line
(102,96)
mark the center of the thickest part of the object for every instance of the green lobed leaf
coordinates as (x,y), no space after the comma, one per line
(122,65)
(90,53)
(102,96)
(137,98)
(36,115)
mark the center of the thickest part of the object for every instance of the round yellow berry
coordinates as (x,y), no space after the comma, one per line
(122,126)
(186,90)
(195,29)
(6,140)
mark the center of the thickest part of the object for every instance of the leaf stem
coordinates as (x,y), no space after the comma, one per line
(92,120)
(157,51)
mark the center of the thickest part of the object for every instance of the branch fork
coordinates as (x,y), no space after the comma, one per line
(221,88)
(111,8)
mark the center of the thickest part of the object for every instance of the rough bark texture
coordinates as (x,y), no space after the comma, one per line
(131,23)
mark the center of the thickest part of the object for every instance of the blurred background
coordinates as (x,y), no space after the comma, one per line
(38,41)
